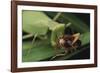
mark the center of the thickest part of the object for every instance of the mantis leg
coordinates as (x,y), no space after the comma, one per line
(34,39)
(27,36)
(32,43)
(76,37)
(57,55)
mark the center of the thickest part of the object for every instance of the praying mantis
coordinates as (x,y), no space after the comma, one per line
(37,24)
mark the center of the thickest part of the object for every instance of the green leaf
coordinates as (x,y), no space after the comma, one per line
(40,50)
(85,38)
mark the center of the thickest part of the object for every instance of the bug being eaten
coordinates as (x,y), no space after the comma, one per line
(68,43)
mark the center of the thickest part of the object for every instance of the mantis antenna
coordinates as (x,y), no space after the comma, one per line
(56,17)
